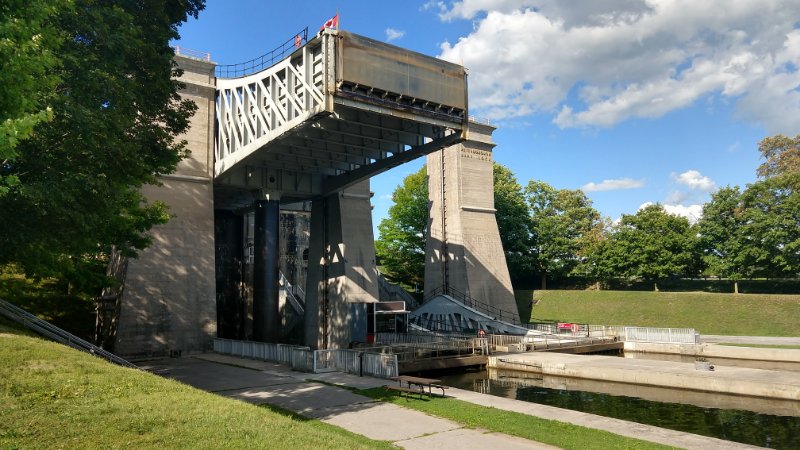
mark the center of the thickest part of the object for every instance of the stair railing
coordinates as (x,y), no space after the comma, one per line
(55,333)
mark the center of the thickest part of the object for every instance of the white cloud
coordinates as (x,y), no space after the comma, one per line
(613,185)
(618,59)
(693,179)
(691,212)
(392,34)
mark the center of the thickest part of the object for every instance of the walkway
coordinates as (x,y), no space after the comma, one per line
(752,340)
(278,385)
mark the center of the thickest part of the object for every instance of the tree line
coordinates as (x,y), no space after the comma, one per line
(90,111)
(555,234)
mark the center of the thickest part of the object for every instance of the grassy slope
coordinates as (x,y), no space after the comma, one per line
(727,314)
(559,434)
(55,397)
(46,299)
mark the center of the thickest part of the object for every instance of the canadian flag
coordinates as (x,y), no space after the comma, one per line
(333,22)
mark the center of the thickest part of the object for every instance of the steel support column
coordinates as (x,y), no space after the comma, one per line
(266,316)
(228,245)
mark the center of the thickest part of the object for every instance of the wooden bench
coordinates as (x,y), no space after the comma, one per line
(404,390)
(422,383)
(437,386)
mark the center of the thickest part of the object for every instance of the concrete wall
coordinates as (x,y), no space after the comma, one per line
(717,351)
(342,275)
(168,304)
(463,249)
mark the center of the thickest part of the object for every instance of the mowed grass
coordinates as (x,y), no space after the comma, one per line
(55,397)
(726,314)
(553,432)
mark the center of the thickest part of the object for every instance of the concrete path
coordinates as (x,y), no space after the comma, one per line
(743,340)
(261,382)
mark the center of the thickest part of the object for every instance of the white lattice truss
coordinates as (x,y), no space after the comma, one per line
(258,108)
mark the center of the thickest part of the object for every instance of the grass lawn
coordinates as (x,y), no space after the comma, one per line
(559,434)
(55,397)
(725,314)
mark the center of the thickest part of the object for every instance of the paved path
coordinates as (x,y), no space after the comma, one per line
(757,340)
(277,385)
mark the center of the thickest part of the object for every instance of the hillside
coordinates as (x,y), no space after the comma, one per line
(728,314)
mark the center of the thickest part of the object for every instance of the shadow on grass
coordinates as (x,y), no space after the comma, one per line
(286,413)
(46,300)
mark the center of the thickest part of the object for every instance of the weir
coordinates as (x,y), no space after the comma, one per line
(276,193)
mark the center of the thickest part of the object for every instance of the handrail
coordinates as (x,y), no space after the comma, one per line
(196,54)
(290,294)
(51,331)
(498,313)
(395,290)
(262,62)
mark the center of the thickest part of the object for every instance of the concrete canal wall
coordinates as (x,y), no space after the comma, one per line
(676,375)
(717,351)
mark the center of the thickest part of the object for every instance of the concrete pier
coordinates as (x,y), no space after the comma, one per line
(726,380)
(717,351)
(463,251)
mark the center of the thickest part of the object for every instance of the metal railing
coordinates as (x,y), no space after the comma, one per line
(55,333)
(196,54)
(317,361)
(491,310)
(416,348)
(292,296)
(263,351)
(651,334)
(630,334)
(418,338)
(381,365)
(267,59)
(393,291)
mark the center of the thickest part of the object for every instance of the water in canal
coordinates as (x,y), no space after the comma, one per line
(761,422)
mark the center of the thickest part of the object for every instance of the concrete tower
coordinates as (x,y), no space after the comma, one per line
(463,252)
(168,305)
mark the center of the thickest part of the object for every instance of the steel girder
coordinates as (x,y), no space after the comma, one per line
(302,129)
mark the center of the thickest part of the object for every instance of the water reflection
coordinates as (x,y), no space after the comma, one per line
(763,422)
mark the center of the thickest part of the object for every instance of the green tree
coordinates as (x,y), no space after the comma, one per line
(651,244)
(513,222)
(770,217)
(400,247)
(722,241)
(565,227)
(782,155)
(28,48)
(116,115)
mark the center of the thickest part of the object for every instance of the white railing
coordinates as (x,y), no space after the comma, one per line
(280,353)
(382,365)
(630,334)
(504,340)
(196,54)
(317,361)
(664,335)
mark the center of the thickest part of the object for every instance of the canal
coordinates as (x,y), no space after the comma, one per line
(762,422)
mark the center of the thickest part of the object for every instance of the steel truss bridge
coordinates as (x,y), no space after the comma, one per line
(338,110)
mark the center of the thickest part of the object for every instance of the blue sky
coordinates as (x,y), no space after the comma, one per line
(632,101)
